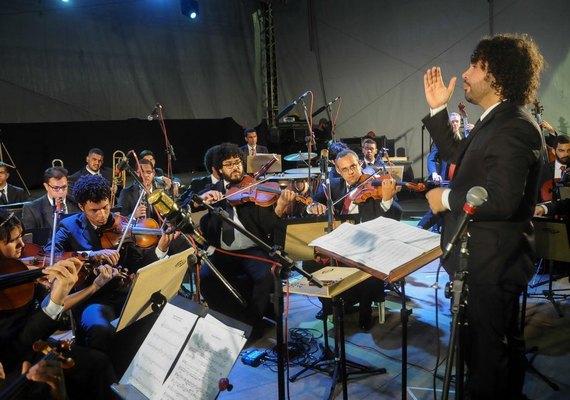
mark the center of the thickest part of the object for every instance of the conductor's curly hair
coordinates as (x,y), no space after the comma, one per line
(516,64)
(92,188)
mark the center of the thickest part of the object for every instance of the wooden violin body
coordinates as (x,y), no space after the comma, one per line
(144,233)
(371,188)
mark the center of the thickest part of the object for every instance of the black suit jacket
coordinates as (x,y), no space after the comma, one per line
(105,171)
(128,199)
(258,149)
(39,213)
(501,154)
(367,211)
(16,194)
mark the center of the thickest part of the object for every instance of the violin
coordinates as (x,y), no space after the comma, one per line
(251,190)
(370,187)
(144,233)
(50,353)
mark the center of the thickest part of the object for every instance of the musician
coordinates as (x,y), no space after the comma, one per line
(347,165)
(39,213)
(82,233)
(163,181)
(130,195)
(501,154)
(41,317)
(9,193)
(94,166)
(229,162)
(372,159)
(553,171)
(252,148)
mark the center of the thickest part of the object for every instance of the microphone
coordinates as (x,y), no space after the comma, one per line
(476,196)
(154,114)
(291,105)
(323,108)
(121,165)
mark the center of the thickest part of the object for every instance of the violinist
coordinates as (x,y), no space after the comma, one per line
(82,233)
(39,213)
(348,166)
(171,186)
(229,162)
(129,196)
(39,318)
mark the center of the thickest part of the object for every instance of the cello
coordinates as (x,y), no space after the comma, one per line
(547,187)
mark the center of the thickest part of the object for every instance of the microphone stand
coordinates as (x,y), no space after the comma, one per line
(458,292)
(169,150)
(309,141)
(287,264)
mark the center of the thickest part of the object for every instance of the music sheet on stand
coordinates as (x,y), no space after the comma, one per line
(208,356)
(154,359)
(382,243)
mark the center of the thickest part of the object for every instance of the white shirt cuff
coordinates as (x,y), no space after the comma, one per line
(51,309)
(544,208)
(433,111)
(445,198)
(159,253)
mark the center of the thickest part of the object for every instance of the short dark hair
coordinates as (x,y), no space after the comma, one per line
(561,139)
(335,148)
(54,172)
(225,151)
(96,150)
(3,164)
(344,153)
(209,158)
(145,153)
(248,130)
(369,141)
(92,188)
(145,161)
(8,221)
(515,62)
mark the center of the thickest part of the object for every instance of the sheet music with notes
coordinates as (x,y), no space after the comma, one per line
(154,359)
(208,356)
(201,360)
(382,244)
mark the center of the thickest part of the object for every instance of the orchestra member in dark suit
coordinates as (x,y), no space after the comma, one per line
(9,194)
(252,148)
(171,186)
(503,155)
(82,233)
(372,160)
(554,171)
(348,166)
(130,195)
(39,213)
(94,166)
(199,184)
(229,162)
(21,328)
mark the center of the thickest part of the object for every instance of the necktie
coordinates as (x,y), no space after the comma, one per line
(451,171)
(253,151)
(3,199)
(562,169)
(228,235)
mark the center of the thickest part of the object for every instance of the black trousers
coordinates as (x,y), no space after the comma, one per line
(494,344)
(251,278)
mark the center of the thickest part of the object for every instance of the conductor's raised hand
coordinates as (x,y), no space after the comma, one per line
(437,94)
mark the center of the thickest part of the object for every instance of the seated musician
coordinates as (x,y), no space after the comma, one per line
(40,317)
(259,220)
(555,170)
(348,166)
(171,186)
(372,160)
(94,166)
(82,233)
(197,185)
(9,193)
(39,213)
(129,195)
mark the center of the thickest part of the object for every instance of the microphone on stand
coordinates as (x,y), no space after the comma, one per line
(323,108)
(476,196)
(290,106)
(154,114)
(324,162)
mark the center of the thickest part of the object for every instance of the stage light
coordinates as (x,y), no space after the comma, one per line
(190,8)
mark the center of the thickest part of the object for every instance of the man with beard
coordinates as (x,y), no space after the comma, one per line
(553,174)
(229,162)
(502,154)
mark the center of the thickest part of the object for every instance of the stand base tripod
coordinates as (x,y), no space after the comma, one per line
(334,363)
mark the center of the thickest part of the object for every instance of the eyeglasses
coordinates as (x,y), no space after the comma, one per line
(58,188)
(232,165)
(351,168)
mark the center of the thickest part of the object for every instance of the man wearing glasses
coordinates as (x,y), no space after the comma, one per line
(39,213)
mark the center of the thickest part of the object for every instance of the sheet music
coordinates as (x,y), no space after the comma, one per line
(208,356)
(382,244)
(154,359)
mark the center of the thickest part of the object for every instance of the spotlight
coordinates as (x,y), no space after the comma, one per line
(190,8)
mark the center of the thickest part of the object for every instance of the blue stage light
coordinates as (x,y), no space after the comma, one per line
(190,8)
